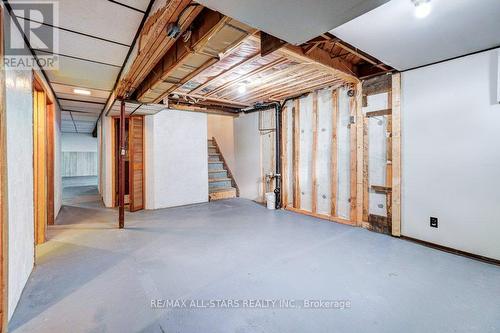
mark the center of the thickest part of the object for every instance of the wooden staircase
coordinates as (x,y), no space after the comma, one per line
(221,184)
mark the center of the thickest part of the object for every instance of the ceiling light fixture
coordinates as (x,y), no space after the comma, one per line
(82,92)
(422,8)
(242,89)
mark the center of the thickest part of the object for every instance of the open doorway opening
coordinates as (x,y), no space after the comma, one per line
(43,160)
(134,162)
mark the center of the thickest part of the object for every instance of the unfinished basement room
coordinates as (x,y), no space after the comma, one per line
(250,166)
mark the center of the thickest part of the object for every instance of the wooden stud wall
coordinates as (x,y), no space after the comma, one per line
(293,110)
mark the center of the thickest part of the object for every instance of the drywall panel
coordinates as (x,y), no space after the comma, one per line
(78,142)
(306,142)
(343,156)
(451,155)
(324,152)
(377,153)
(222,129)
(19,106)
(180,158)
(107,169)
(247,152)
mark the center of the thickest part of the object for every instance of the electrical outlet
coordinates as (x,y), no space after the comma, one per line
(434,222)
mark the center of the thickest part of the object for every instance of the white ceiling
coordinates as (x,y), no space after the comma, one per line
(94,38)
(395,36)
(295,21)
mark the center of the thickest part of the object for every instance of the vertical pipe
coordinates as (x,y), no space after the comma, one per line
(277,190)
(121,169)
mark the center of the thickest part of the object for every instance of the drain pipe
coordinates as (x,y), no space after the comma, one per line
(277,111)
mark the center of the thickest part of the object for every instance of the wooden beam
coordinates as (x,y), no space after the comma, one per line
(296,153)
(194,108)
(334,153)
(213,100)
(359,153)
(208,23)
(246,76)
(353,160)
(378,113)
(314,152)
(284,156)
(321,216)
(154,42)
(366,184)
(225,73)
(396,154)
(269,44)
(337,66)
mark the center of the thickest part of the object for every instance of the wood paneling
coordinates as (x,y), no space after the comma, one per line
(136,163)
(40,165)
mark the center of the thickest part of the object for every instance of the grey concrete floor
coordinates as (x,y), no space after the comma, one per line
(91,277)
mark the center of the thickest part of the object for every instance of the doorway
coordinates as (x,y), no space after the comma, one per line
(134,162)
(43,160)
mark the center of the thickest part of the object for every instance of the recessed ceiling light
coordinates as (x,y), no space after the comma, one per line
(422,8)
(242,89)
(82,92)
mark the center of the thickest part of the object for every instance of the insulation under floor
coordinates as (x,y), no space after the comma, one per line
(91,277)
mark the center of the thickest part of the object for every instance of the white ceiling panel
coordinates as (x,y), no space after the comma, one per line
(99,18)
(61,89)
(81,46)
(85,74)
(453,28)
(83,98)
(139,4)
(295,21)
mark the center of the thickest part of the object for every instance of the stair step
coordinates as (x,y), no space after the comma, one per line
(219,183)
(222,193)
(214,180)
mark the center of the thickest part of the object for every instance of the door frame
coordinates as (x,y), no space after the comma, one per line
(114,161)
(44,130)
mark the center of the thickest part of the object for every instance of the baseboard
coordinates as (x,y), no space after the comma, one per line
(453,251)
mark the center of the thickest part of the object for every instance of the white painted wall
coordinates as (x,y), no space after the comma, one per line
(106,171)
(176,159)
(451,155)
(19,105)
(78,142)
(247,154)
(222,128)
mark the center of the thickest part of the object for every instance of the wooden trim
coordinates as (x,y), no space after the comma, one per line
(334,154)
(378,113)
(396,154)
(296,153)
(321,216)
(50,163)
(381,189)
(314,193)
(39,165)
(4,210)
